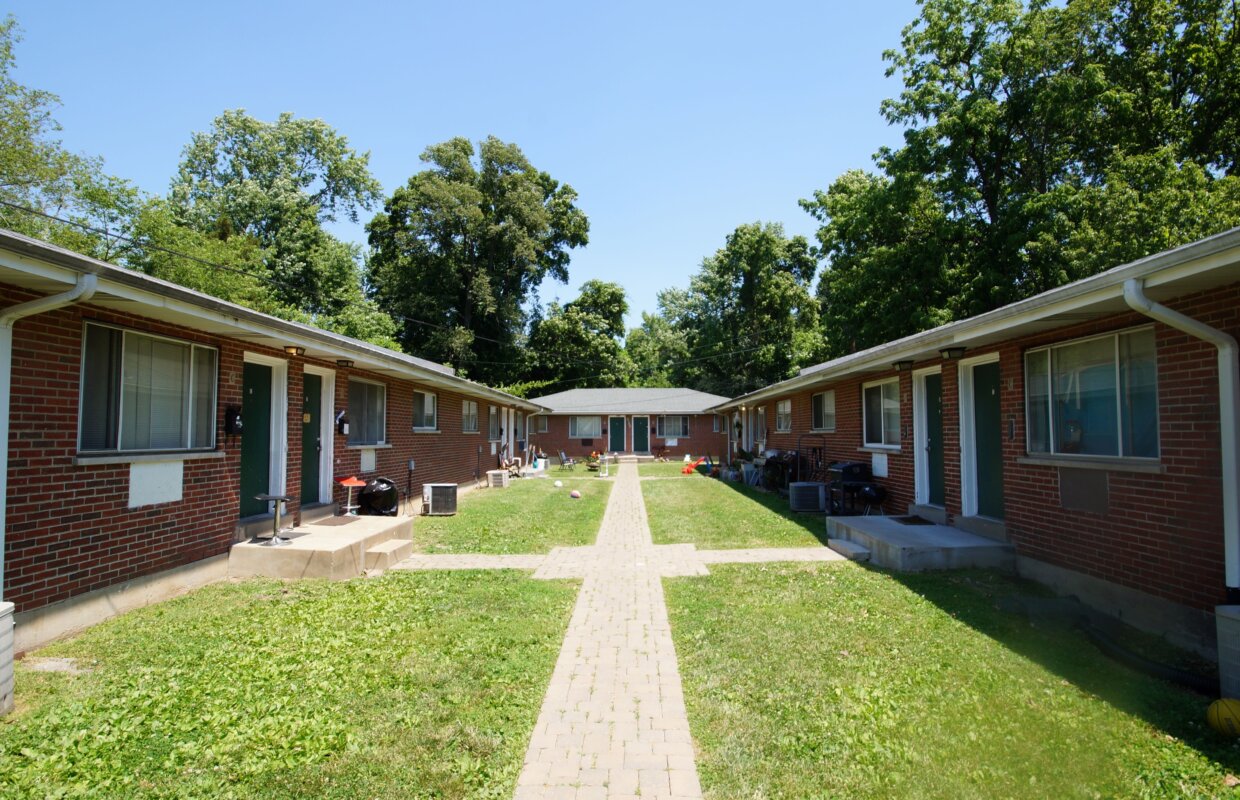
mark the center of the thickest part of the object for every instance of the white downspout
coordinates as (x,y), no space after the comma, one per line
(82,291)
(1229,430)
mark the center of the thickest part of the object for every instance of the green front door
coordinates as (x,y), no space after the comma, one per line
(255,437)
(934,439)
(615,438)
(311,438)
(988,440)
(641,434)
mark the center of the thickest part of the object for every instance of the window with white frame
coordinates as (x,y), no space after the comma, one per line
(672,427)
(367,412)
(142,392)
(585,427)
(1094,397)
(718,423)
(783,416)
(469,416)
(518,426)
(424,412)
(822,411)
(493,426)
(542,424)
(880,408)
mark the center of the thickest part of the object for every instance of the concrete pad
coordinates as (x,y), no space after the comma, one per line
(384,554)
(334,548)
(916,548)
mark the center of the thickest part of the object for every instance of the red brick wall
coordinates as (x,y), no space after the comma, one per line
(1161,533)
(68,528)
(702,439)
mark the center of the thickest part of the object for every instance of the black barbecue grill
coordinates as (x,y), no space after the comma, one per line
(849,480)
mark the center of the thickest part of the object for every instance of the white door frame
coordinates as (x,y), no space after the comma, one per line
(625,447)
(968,433)
(278,474)
(921,464)
(327,414)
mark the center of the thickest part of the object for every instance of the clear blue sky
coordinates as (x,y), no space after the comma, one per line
(675,122)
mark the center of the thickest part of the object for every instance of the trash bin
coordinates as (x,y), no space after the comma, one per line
(380,498)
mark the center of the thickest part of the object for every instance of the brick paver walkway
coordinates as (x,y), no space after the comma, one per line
(613,722)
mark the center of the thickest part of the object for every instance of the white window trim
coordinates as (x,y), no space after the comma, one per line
(383,441)
(572,424)
(118,450)
(879,446)
(498,434)
(434,401)
(464,416)
(780,428)
(968,434)
(543,421)
(660,426)
(1068,459)
(823,394)
(327,431)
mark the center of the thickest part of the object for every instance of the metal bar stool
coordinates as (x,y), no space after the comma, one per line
(276,539)
(352,482)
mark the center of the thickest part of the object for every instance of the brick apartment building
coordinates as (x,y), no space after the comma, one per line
(118,400)
(656,422)
(1092,427)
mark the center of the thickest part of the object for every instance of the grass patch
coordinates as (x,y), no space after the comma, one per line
(716,515)
(665,469)
(530,516)
(840,681)
(410,685)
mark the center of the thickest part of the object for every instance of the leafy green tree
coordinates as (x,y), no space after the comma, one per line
(278,183)
(655,347)
(37,172)
(1040,141)
(576,346)
(749,317)
(460,249)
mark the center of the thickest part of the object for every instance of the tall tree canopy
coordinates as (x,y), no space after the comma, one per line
(576,346)
(460,249)
(656,348)
(749,317)
(273,185)
(37,172)
(1042,142)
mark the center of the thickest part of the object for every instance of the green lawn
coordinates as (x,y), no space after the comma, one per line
(832,680)
(530,516)
(409,685)
(663,469)
(714,514)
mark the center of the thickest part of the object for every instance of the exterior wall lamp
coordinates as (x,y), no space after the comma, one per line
(952,353)
(903,365)
(345,363)
(294,350)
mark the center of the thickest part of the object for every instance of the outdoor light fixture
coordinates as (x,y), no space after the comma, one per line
(344,362)
(903,365)
(952,353)
(294,350)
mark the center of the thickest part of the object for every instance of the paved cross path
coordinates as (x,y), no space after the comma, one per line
(613,721)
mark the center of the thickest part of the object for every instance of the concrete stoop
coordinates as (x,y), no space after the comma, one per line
(333,547)
(917,548)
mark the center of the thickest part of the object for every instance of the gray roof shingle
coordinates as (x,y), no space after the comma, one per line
(628,401)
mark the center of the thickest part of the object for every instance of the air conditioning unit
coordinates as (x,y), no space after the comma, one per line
(807,496)
(497,479)
(439,499)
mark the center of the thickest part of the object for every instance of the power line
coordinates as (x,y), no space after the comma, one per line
(266,279)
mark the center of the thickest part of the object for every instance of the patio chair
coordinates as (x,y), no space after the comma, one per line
(566,462)
(513,465)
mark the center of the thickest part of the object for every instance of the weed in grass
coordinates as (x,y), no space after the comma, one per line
(530,516)
(414,684)
(840,681)
(715,514)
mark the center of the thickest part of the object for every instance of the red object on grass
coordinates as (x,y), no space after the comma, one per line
(690,468)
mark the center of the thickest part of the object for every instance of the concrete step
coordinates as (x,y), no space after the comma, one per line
(850,550)
(334,548)
(384,554)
